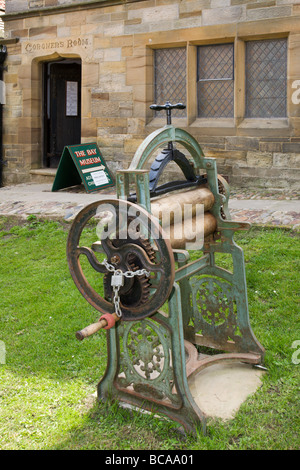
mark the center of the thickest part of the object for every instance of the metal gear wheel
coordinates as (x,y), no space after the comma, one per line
(137,291)
(140,296)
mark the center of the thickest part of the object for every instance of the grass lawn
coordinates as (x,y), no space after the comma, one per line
(48,378)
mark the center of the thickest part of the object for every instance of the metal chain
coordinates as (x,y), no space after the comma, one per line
(108,266)
(138,272)
(116,301)
(128,274)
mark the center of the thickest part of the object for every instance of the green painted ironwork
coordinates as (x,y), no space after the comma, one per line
(208,305)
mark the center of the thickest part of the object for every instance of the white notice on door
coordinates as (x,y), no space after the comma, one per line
(72,99)
(99,178)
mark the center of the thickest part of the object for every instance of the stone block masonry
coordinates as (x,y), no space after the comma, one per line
(116,43)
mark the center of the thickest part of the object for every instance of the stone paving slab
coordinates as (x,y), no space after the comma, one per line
(268,217)
(274,209)
(220,390)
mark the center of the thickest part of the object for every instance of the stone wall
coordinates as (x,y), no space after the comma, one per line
(13,6)
(2,11)
(115,43)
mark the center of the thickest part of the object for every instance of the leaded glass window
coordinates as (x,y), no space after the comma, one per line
(266,78)
(170,77)
(215,81)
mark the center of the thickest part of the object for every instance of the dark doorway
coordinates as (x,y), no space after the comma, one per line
(62,108)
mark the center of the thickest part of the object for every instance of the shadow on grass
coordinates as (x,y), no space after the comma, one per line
(109,426)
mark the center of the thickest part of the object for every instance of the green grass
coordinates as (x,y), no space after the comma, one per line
(49,378)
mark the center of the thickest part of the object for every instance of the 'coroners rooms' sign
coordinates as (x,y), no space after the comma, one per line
(82,163)
(55,44)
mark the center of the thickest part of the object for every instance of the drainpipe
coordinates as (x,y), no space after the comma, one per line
(3,54)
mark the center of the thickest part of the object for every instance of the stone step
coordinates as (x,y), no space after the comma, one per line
(43,175)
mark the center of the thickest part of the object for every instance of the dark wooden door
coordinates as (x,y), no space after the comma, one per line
(63,110)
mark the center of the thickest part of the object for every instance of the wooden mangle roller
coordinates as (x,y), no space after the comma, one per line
(170,210)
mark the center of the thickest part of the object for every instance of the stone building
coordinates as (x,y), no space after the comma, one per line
(2,11)
(87,70)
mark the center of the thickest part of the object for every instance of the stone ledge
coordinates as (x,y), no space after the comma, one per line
(43,175)
(264,123)
(44,171)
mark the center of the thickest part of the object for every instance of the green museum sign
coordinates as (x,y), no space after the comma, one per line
(82,163)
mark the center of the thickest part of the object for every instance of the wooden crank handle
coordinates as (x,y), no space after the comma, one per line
(107,321)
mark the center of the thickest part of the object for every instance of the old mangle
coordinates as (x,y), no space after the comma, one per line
(160,291)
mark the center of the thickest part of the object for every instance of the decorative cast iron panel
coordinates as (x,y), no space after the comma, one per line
(145,360)
(215,311)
